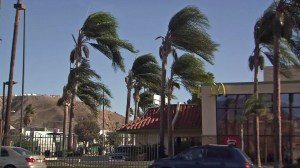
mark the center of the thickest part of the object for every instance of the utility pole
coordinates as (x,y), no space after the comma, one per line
(11,75)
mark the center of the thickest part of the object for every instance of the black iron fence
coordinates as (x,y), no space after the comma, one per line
(116,151)
(120,150)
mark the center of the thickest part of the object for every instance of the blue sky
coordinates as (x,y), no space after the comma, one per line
(50,25)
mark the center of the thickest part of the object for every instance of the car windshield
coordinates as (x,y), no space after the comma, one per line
(22,151)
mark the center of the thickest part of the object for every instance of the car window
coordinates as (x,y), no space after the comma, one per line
(192,154)
(4,153)
(22,151)
(218,153)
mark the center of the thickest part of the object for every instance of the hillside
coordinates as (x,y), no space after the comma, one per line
(49,115)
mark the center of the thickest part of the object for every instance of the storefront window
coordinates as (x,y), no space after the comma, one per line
(229,113)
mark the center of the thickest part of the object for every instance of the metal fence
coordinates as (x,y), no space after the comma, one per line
(116,151)
(124,150)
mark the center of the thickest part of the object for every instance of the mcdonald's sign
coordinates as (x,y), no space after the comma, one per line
(219,88)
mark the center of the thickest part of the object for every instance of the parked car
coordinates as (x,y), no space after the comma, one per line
(206,156)
(16,157)
(125,152)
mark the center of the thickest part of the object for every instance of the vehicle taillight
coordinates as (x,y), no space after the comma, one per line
(30,160)
(246,164)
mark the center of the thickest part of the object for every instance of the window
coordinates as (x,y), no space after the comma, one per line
(4,153)
(218,153)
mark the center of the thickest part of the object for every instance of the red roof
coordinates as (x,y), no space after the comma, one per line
(188,117)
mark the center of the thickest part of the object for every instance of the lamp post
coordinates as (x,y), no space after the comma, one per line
(22,7)
(11,75)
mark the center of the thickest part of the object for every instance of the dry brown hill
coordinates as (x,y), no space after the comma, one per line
(49,115)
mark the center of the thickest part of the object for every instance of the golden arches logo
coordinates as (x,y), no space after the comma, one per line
(218,88)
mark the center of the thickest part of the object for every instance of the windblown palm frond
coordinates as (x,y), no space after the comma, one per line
(102,28)
(187,31)
(189,71)
(254,106)
(88,89)
(147,72)
(100,24)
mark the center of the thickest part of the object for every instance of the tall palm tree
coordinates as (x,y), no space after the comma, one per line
(98,30)
(264,35)
(88,91)
(187,32)
(188,71)
(145,72)
(283,16)
(256,61)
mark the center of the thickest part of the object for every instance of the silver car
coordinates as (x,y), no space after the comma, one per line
(16,157)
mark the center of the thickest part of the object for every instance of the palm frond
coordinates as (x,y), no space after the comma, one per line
(189,71)
(143,59)
(103,49)
(99,24)
(188,33)
(115,41)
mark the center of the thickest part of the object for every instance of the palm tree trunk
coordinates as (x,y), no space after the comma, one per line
(256,120)
(242,136)
(11,76)
(70,136)
(136,101)
(66,109)
(170,134)
(277,105)
(162,106)
(277,85)
(128,84)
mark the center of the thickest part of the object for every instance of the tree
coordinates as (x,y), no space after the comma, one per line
(253,106)
(146,100)
(144,73)
(98,30)
(29,114)
(188,71)
(89,90)
(282,20)
(87,130)
(187,32)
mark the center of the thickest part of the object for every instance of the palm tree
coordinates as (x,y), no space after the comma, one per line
(87,90)
(29,114)
(143,73)
(256,61)
(186,31)
(264,35)
(99,30)
(188,71)
(253,106)
(146,100)
(283,16)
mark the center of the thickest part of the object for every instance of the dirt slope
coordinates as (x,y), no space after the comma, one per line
(49,115)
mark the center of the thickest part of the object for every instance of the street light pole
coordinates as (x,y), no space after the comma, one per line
(11,75)
(22,7)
